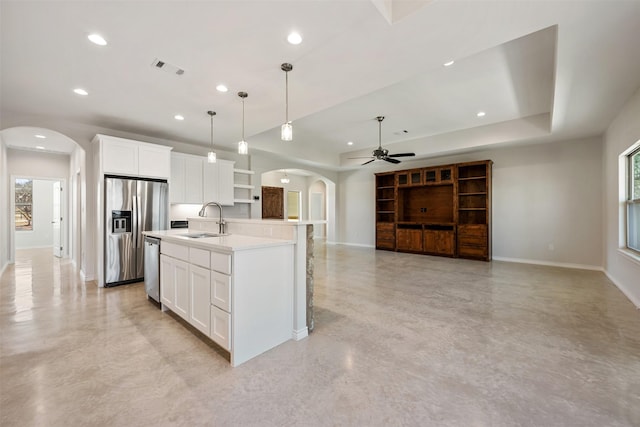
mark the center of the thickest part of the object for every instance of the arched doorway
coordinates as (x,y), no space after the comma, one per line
(46,157)
(315,194)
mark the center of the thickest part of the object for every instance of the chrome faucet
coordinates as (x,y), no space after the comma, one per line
(222,223)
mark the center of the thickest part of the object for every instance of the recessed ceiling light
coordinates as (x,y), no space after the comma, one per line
(40,136)
(448,64)
(222,88)
(178,117)
(97,39)
(39,147)
(481,114)
(350,143)
(80,91)
(294,38)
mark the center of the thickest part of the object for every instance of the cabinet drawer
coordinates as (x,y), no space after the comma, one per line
(472,240)
(221,291)
(174,251)
(199,257)
(472,230)
(385,244)
(386,234)
(472,251)
(221,262)
(221,327)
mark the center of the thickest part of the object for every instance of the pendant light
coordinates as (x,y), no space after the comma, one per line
(286,131)
(285,179)
(243,146)
(211,156)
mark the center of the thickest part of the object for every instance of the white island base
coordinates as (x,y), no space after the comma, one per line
(237,290)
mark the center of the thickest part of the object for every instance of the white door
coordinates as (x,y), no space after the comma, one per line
(57,219)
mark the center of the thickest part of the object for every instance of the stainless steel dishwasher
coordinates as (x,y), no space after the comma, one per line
(152,267)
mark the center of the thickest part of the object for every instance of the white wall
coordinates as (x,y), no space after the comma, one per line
(621,267)
(4,207)
(546,194)
(41,234)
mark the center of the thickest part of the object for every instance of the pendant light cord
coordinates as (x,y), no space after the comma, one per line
(243,119)
(286,101)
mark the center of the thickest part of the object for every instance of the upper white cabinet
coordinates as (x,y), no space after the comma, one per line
(121,156)
(218,182)
(185,185)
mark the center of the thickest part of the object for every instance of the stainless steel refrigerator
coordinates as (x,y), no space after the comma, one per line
(132,206)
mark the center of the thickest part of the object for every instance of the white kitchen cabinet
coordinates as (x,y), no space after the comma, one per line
(174,285)
(186,182)
(221,327)
(120,156)
(218,182)
(242,299)
(221,291)
(199,292)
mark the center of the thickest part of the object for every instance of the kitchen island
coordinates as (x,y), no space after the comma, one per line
(236,289)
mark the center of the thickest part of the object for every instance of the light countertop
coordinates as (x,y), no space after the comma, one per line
(228,243)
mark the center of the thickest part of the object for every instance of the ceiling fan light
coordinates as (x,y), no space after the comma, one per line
(243,147)
(286,132)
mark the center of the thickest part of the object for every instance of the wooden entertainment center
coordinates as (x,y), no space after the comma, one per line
(438,210)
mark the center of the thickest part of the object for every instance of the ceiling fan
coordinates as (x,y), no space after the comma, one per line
(382,153)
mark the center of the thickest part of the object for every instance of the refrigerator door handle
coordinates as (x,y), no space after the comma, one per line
(135,222)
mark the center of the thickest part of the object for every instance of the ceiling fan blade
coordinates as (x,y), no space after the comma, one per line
(390,160)
(366,163)
(402,155)
(365,157)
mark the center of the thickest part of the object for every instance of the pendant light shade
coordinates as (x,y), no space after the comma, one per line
(285,178)
(211,155)
(286,131)
(243,146)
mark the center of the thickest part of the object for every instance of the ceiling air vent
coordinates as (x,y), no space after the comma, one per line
(166,67)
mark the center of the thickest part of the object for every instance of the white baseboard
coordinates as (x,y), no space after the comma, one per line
(358,245)
(300,334)
(550,263)
(4,267)
(86,278)
(635,300)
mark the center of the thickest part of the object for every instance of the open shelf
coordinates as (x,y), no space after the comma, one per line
(244,171)
(246,186)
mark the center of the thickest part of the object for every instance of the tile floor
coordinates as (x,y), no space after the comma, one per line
(400,339)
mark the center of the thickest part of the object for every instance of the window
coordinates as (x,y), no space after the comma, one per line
(633,201)
(24,204)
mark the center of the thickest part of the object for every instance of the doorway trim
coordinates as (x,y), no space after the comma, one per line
(12,220)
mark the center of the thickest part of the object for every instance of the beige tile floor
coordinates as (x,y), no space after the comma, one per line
(400,339)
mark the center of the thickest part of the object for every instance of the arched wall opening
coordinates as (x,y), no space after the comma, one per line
(317,193)
(48,156)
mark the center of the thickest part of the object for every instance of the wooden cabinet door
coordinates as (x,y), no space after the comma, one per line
(200,294)
(409,239)
(272,203)
(439,242)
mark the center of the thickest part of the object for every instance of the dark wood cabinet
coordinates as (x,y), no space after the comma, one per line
(440,210)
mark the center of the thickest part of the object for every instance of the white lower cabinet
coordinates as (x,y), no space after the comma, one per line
(200,291)
(174,276)
(221,327)
(242,300)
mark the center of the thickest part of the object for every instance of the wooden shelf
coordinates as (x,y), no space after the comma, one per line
(440,210)
(472,177)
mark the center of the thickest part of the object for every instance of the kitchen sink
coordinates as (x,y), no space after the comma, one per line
(202,235)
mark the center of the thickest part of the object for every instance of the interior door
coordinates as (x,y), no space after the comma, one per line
(57,219)
(272,203)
